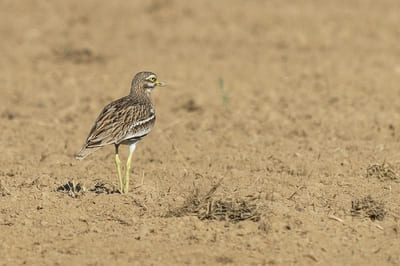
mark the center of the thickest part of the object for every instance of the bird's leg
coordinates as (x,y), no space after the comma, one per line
(118,163)
(128,166)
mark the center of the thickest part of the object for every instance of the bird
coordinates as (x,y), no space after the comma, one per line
(125,121)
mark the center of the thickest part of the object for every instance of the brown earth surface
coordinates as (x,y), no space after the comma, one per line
(276,141)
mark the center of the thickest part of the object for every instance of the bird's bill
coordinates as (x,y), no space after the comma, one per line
(161,84)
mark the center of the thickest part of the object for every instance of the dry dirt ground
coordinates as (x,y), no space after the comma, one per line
(277,139)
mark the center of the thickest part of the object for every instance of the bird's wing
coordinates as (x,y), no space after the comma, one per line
(118,121)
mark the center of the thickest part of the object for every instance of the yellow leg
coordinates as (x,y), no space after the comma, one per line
(128,167)
(118,164)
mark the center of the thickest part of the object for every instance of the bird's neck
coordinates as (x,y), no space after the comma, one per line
(142,96)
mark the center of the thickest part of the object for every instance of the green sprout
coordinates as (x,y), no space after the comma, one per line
(223,92)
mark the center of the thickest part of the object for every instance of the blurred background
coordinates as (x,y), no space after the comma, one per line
(288,101)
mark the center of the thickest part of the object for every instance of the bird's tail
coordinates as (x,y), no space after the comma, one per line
(85,151)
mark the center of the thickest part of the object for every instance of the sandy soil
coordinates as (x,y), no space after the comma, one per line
(277,139)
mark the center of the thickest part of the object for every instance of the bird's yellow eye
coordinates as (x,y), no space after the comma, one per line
(152,79)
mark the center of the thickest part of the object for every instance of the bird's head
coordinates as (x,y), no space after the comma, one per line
(145,81)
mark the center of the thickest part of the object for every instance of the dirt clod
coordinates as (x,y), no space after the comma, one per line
(73,190)
(191,106)
(224,260)
(101,188)
(77,55)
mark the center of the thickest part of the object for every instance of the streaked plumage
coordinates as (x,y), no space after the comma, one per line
(124,121)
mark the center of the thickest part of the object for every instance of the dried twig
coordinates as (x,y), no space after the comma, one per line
(333,217)
(294,193)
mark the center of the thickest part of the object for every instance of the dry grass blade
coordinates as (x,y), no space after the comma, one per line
(207,208)
(383,172)
(232,210)
(211,192)
(194,202)
(368,207)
